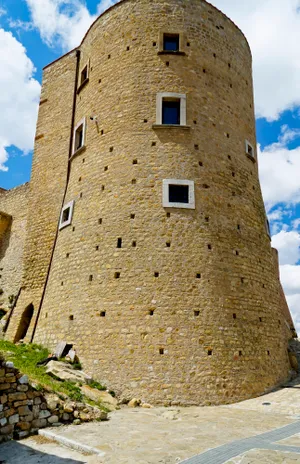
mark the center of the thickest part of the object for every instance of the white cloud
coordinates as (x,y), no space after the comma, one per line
(273,31)
(63,22)
(290,278)
(279,170)
(288,245)
(276,215)
(294,305)
(21,25)
(18,97)
(271,26)
(296,224)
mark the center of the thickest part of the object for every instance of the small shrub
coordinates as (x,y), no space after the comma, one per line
(74,391)
(77,366)
(97,385)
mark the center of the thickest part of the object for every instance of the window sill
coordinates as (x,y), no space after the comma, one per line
(179,205)
(64,225)
(170,126)
(82,85)
(169,52)
(251,157)
(77,152)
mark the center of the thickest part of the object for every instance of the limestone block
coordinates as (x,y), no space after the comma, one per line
(134,403)
(23,380)
(39,423)
(53,419)
(62,371)
(69,407)
(24,410)
(3,421)
(100,397)
(44,414)
(7,429)
(14,419)
(17,396)
(52,401)
(22,388)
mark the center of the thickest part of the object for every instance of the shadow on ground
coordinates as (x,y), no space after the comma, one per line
(14,452)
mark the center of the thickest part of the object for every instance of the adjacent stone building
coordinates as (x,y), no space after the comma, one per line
(147,241)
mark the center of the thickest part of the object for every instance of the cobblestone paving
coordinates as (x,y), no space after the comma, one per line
(265,457)
(264,441)
(263,430)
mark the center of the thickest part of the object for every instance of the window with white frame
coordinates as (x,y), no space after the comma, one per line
(79,136)
(171,109)
(250,149)
(66,215)
(178,193)
(84,75)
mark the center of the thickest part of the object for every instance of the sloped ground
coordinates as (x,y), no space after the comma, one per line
(173,435)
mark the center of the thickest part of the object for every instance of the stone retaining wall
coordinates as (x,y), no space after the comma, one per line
(24,410)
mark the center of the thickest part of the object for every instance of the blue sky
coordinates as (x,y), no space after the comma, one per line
(36,32)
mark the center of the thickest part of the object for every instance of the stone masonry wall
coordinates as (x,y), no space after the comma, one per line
(48,180)
(188,309)
(12,243)
(23,410)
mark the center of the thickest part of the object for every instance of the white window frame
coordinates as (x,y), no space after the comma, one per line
(189,183)
(247,145)
(159,103)
(62,223)
(87,66)
(268,228)
(81,123)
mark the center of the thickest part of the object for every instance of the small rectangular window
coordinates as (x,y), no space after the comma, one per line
(171,42)
(171,111)
(66,215)
(84,75)
(178,193)
(79,136)
(250,149)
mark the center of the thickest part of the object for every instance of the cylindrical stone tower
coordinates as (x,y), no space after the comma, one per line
(162,273)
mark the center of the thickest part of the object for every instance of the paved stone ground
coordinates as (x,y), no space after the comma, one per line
(38,450)
(261,430)
(265,441)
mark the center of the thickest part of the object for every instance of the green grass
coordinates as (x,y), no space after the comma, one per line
(97,385)
(25,358)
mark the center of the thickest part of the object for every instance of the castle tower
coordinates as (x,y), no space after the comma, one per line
(161,273)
